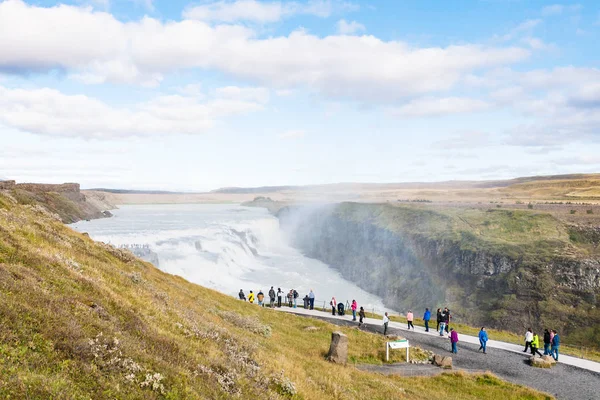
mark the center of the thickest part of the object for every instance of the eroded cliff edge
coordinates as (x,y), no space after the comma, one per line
(508,269)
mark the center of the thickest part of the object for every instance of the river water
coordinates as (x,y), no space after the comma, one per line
(225,247)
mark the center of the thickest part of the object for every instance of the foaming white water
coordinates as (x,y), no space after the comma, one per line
(224,247)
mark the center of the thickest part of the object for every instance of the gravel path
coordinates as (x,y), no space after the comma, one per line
(562,381)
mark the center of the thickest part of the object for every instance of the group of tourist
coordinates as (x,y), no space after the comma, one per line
(291,298)
(532,340)
(551,343)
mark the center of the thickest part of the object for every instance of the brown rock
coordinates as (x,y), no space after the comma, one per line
(338,351)
(442,361)
(540,362)
(549,359)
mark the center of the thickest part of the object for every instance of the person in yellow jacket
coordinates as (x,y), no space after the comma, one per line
(535,345)
(251,297)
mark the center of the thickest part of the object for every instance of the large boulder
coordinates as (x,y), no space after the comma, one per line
(549,359)
(541,362)
(338,351)
(442,361)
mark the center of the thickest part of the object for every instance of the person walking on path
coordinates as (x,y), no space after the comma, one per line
(260,297)
(535,345)
(547,341)
(251,297)
(528,339)
(483,338)
(442,323)
(409,318)
(279,297)
(333,305)
(454,340)
(447,318)
(311,298)
(555,345)
(353,307)
(295,295)
(290,297)
(386,320)
(439,319)
(361,315)
(272,296)
(426,318)
(306,301)
(241,295)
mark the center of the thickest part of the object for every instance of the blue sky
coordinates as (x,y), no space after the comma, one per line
(194,96)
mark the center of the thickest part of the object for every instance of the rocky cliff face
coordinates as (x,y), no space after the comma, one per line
(502,287)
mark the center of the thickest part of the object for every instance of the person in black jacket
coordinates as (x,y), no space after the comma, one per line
(439,319)
(447,318)
(547,342)
(242,296)
(279,296)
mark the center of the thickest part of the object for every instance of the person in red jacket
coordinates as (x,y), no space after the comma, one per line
(454,340)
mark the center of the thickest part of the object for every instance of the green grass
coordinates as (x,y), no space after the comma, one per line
(84,320)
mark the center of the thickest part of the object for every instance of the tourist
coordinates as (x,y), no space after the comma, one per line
(333,305)
(353,307)
(426,318)
(251,297)
(454,340)
(535,344)
(386,320)
(306,301)
(555,345)
(528,339)
(241,295)
(442,325)
(272,296)
(279,296)
(260,297)
(361,316)
(439,319)
(295,295)
(311,297)
(547,341)
(483,338)
(290,297)
(447,318)
(409,318)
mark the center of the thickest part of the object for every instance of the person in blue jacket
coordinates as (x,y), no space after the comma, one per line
(555,345)
(426,318)
(483,338)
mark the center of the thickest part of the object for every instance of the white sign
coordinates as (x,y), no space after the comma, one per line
(399,344)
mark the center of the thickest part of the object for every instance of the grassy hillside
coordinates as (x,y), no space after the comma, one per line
(81,320)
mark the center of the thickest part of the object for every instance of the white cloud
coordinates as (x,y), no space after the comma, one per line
(50,112)
(556,9)
(525,27)
(95,47)
(439,106)
(292,134)
(466,140)
(257,94)
(348,28)
(263,11)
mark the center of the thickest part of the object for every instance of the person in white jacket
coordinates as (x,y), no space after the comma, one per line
(386,320)
(528,339)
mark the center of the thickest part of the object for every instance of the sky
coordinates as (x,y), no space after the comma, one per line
(193,96)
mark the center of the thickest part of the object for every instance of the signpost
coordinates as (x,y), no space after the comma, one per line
(398,344)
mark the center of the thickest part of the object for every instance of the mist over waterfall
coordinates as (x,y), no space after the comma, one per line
(225,247)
